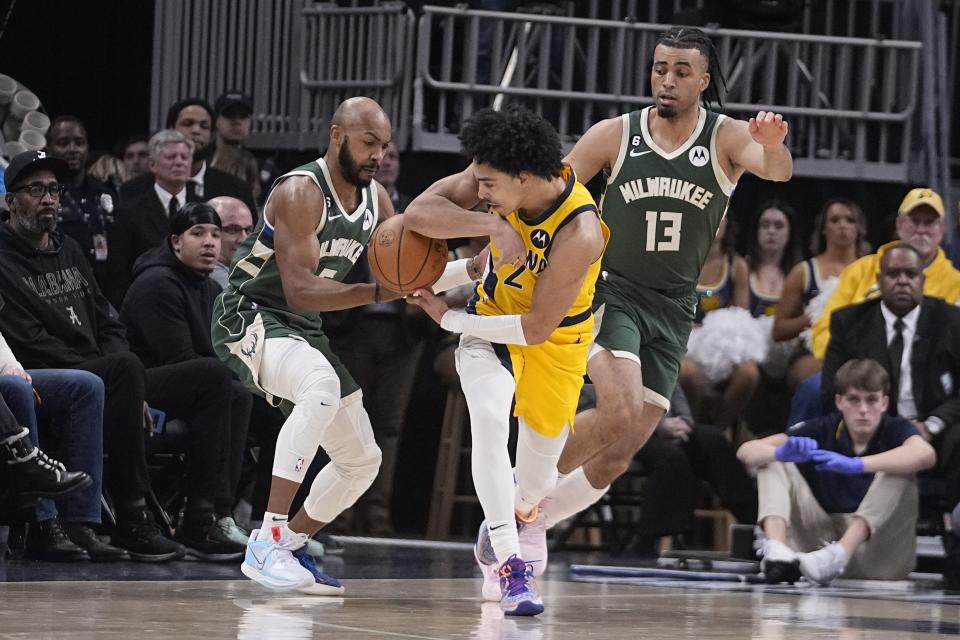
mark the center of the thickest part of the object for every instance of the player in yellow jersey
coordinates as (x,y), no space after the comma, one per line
(526,333)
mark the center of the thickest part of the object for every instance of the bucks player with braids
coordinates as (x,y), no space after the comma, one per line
(315,224)
(671,169)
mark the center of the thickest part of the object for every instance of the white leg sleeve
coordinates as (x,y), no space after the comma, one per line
(294,370)
(489,389)
(536,471)
(354,462)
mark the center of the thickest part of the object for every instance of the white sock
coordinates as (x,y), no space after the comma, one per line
(271,520)
(503,537)
(573,494)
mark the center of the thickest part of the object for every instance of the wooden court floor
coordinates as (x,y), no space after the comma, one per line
(434,599)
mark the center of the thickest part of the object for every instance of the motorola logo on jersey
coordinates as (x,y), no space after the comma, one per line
(367,219)
(699,156)
(540,238)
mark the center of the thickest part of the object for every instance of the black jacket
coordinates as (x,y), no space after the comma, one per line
(139,225)
(168,309)
(858,331)
(52,312)
(215,183)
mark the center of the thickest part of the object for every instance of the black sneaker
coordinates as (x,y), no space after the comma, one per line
(139,534)
(208,539)
(48,541)
(86,538)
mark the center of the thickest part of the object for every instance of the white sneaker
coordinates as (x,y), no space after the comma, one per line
(779,562)
(823,565)
(271,563)
(533,542)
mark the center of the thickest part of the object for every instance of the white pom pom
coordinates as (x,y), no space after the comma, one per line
(728,337)
(816,306)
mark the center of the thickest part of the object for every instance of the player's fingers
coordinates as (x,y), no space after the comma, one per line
(761,115)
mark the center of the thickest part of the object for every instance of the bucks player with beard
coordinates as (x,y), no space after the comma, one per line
(671,169)
(266,327)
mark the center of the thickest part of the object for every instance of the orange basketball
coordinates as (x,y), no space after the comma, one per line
(403,260)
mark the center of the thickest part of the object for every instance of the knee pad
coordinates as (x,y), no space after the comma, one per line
(302,433)
(354,462)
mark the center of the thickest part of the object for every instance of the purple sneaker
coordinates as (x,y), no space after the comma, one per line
(323,584)
(518,589)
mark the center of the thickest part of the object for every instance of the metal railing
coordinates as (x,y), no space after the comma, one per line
(577,71)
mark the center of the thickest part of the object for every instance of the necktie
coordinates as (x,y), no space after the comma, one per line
(896,355)
(173,207)
(191,191)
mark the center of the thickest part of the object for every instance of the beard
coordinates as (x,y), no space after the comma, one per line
(350,168)
(37,223)
(666,112)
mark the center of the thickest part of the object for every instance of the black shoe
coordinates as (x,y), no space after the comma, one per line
(207,538)
(331,546)
(776,572)
(99,551)
(47,541)
(138,533)
(35,474)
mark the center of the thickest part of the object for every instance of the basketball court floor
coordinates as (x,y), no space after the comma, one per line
(401,590)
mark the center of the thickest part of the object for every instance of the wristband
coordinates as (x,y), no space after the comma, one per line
(498,329)
(456,273)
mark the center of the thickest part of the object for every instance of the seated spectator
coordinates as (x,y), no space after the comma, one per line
(135,155)
(74,399)
(771,254)
(168,312)
(143,223)
(108,170)
(87,203)
(723,284)
(839,236)
(919,224)
(237,225)
(55,316)
(232,121)
(194,119)
(847,478)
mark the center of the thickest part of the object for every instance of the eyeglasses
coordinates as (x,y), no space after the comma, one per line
(235,229)
(37,190)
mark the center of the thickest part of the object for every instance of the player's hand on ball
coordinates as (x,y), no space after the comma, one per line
(510,246)
(768,128)
(426,300)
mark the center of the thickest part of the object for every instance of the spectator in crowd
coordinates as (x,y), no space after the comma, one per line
(680,453)
(917,338)
(237,224)
(194,119)
(135,155)
(108,170)
(848,478)
(232,120)
(920,224)
(839,237)
(86,205)
(168,312)
(723,284)
(143,223)
(771,254)
(387,176)
(74,400)
(55,316)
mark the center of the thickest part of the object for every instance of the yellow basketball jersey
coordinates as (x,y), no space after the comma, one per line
(509,289)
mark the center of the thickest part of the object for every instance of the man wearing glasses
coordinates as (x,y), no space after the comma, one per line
(237,225)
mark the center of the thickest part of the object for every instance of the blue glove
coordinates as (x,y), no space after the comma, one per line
(795,449)
(838,463)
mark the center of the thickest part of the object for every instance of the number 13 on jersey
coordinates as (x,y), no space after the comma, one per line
(669,223)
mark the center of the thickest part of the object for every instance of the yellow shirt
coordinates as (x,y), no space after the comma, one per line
(858,282)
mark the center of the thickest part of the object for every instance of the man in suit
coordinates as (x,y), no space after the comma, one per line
(143,222)
(194,119)
(917,338)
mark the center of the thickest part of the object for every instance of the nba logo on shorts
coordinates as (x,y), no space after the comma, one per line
(299,465)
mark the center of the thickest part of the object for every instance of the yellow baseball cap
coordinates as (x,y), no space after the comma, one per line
(921,196)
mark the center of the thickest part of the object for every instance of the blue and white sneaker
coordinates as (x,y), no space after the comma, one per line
(487,562)
(518,589)
(271,562)
(323,584)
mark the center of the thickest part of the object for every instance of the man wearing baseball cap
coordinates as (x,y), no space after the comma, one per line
(232,120)
(919,224)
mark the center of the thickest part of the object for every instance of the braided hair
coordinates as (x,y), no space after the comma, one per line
(693,38)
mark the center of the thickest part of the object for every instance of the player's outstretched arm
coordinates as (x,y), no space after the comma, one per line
(597,149)
(445,210)
(757,146)
(296,209)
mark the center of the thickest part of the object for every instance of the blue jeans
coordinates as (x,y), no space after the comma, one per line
(72,403)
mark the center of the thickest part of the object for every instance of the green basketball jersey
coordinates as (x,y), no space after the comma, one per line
(255,278)
(663,209)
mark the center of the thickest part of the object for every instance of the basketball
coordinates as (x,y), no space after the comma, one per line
(403,260)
